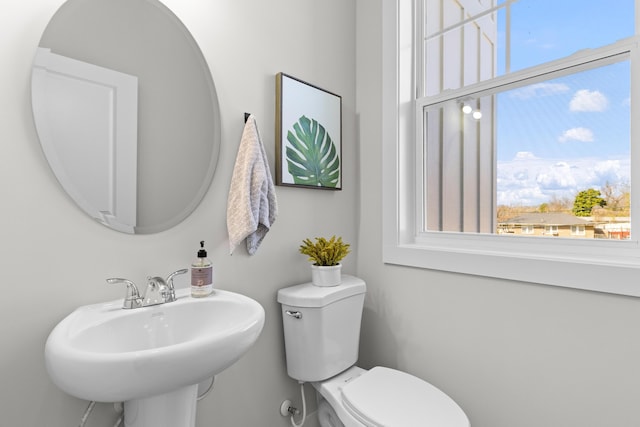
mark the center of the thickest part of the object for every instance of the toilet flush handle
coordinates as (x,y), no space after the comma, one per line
(295,314)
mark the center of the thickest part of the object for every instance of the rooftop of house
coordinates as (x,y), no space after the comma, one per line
(549,218)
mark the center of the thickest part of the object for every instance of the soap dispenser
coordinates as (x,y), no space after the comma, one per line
(201,275)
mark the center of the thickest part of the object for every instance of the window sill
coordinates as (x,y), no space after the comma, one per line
(616,276)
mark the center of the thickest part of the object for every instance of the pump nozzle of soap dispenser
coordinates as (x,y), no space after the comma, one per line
(202,253)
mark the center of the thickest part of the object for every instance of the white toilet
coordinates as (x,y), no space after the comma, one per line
(322,335)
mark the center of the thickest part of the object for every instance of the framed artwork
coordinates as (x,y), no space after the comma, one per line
(308,135)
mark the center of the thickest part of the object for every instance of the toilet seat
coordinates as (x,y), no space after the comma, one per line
(383,397)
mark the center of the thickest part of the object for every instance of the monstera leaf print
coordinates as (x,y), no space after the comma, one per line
(312,157)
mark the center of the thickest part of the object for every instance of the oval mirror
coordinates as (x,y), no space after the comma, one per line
(126,112)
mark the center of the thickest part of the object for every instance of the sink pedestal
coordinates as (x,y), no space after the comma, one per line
(173,409)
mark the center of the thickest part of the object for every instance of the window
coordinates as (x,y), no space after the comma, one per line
(489,105)
(578,230)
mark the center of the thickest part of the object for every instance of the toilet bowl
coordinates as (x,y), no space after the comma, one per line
(322,332)
(327,416)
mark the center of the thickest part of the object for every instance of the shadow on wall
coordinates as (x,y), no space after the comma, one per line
(377,338)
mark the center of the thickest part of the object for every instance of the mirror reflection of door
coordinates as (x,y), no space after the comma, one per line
(92,112)
(178,116)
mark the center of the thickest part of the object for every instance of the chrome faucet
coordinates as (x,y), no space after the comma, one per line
(159,291)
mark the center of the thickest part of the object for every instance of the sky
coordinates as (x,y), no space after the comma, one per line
(562,136)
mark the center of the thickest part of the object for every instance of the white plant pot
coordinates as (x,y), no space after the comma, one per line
(326,275)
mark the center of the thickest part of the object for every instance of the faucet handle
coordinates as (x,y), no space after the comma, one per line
(132,299)
(171,291)
(170,277)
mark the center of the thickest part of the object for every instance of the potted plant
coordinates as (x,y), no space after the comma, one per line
(325,256)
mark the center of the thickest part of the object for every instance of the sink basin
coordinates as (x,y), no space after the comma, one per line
(105,353)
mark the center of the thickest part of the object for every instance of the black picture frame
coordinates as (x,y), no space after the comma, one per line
(308,135)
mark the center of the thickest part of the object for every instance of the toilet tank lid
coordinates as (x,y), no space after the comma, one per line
(308,295)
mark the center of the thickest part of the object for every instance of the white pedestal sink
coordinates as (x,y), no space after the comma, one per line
(151,358)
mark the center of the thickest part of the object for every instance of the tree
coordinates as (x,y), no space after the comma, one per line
(557,204)
(617,197)
(586,200)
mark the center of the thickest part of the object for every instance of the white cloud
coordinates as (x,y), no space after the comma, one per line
(608,170)
(586,100)
(577,134)
(524,155)
(532,181)
(523,196)
(539,90)
(556,177)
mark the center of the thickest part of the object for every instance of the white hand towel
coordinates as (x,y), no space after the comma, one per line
(251,206)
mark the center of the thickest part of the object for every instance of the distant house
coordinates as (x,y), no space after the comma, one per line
(618,228)
(553,224)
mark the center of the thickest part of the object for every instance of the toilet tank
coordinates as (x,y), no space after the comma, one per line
(321,327)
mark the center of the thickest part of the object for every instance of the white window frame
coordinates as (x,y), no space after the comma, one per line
(598,265)
(551,230)
(578,230)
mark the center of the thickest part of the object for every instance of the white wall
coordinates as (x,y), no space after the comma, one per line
(511,354)
(54,258)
